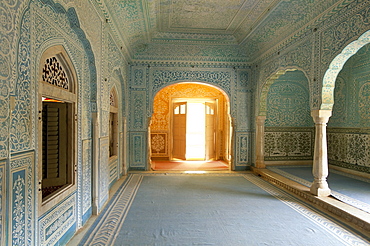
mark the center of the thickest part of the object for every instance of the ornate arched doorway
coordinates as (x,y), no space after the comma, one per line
(191,122)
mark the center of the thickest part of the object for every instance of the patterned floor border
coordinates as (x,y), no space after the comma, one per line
(105,230)
(346,199)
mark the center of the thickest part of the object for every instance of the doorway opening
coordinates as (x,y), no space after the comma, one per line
(193,127)
(190,128)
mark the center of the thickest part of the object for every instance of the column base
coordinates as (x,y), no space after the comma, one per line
(320,190)
(260,164)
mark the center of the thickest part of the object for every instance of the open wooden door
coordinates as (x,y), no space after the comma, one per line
(179,130)
(210,110)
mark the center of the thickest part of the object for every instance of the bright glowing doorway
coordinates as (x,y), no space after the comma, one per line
(193,129)
(172,137)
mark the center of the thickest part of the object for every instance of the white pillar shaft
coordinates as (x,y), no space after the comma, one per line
(320,168)
(260,141)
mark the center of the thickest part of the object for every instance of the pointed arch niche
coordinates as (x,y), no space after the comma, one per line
(57,105)
(284,126)
(172,101)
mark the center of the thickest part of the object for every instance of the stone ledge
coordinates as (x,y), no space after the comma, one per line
(355,218)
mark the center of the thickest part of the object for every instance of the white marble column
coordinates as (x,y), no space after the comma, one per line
(260,141)
(320,168)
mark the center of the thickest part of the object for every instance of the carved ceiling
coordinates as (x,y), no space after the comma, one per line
(249,25)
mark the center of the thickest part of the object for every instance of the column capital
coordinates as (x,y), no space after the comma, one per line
(260,119)
(320,116)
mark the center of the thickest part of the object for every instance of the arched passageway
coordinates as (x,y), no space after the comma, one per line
(191,122)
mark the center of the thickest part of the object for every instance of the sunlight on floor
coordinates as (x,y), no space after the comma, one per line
(195,172)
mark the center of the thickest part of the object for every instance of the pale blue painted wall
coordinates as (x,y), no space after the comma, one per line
(28,27)
(289,125)
(348,128)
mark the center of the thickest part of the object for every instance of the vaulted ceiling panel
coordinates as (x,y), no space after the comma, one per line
(252,25)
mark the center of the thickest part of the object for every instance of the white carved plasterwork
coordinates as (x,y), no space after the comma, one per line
(54,224)
(10,15)
(86,179)
(2,201)
(103,171)
(242,149)
(138,105)
(138,154)
(21,221)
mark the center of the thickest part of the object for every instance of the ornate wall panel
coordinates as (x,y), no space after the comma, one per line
(242,150)
(138,117)
(243,110)
(138,153)
(192,52)
(54,224)
(222,78)
(10,14)
(139,77)
(288,101)
(21,123)
(103,171)
(349,148)
(2,202)
(289,143)
(21,200)
(86,176)
(159,144)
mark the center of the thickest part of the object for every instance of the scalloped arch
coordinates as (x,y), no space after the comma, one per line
(330,76)
(262,111)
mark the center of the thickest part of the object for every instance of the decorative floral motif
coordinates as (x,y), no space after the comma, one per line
(1,199)
(243,149)
(18,210)
(348,149)
(364,101)
(288,104)
(161,78)
(158,143)
(138,148)
(138,105)
(288,143)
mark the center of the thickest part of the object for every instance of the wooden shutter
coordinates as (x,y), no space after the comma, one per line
(54,141)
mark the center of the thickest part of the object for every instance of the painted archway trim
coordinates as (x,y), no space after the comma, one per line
(75,25)
(328,83)
(266,87)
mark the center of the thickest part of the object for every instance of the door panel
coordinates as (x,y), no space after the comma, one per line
(179,130)
(210,130)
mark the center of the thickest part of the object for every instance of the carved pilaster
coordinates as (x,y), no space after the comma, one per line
(260,141)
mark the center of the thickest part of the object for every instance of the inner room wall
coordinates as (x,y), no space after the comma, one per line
(348,128)
(289,132)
